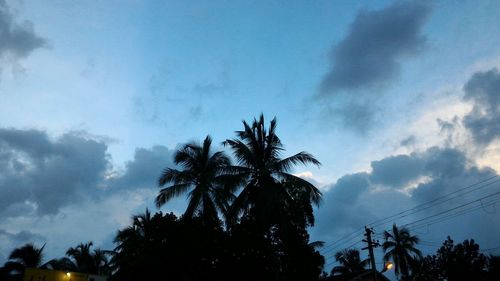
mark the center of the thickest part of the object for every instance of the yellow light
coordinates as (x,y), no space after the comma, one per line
(68,274)
(389,265)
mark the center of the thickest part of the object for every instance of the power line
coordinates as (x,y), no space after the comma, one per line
(415,209)
(349,237)
(422,207)
(338,244)
(490,249)
(450,216)
(452,209)
(333,256)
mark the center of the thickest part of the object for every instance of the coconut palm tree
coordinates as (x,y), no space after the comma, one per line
(350,262)
(399,246)
(132,242)
(203,176)
(86,260)
(27,256)
(260,165)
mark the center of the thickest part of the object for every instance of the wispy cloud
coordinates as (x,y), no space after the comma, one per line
(17,39)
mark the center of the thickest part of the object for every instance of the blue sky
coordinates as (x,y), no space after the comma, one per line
(351,82)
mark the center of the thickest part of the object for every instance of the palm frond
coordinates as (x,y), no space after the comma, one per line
(297,182)
(170,192)
(175,176)
(302,158)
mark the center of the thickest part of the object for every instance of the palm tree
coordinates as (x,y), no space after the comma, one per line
(400,247)
(27,256)
(85,260)
(132,242)
(203,176)
(350,262)
(260,166)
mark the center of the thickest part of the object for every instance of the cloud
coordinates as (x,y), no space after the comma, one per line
(145,169)
(215,86)
(483,91)
(21,237)
(377,41)
(356,115)
(17,39)
(388,171)
(39,175)
(400,182)
(10,240)
(408,141)
(53,184)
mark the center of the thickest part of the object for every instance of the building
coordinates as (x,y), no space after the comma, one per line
(35,274)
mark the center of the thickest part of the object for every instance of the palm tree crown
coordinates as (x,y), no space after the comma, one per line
(350,262)
(400,247)
(85,260)
(27,256)
(203,175)
(258,152)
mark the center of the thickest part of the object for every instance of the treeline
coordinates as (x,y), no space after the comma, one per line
(246,220)
(451,262)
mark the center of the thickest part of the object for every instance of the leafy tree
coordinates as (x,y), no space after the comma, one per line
(493,268)
(156,247)
(350,262)
(399,246)
(462,261)
(426,269)
(203,176)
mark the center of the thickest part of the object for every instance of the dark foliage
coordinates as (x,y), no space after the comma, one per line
(452,262)
(350,262)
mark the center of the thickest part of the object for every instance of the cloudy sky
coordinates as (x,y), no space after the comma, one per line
(400,101)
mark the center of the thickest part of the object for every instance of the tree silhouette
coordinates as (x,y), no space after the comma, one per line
(260,166)
(462,261)
(399,246)
(27,256)
(273,203)
(156,247)
(350,262)
(83,259)
(203,175)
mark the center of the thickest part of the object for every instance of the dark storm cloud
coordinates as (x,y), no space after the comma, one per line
(388,170)
(338,205)
(377,41)
(17,39)
(40,175)
(349,187)
(21,237)
(483,91)
(145,169)
(359,199)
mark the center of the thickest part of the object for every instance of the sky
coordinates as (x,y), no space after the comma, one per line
(399,100)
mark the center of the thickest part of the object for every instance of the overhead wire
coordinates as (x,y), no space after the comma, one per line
(438,201)
(349,237)
(423,221)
